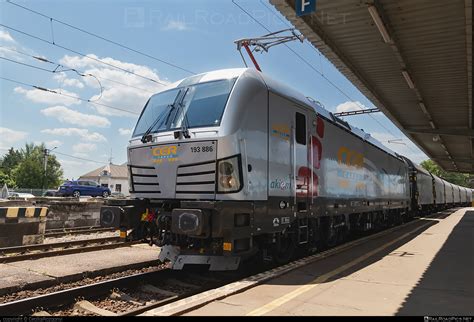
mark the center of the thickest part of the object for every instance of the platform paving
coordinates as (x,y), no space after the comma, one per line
(428,270)
(50,270)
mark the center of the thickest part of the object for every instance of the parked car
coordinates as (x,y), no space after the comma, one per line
(50,193)
(19,195)
(83,188)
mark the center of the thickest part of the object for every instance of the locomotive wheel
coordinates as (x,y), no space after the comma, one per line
(284,251)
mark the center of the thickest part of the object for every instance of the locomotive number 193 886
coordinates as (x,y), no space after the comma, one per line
(198,149)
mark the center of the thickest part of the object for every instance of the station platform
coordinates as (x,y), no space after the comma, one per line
(48,271)
(425,268)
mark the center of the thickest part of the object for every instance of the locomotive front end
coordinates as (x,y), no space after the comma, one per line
(185,163)
(180,183)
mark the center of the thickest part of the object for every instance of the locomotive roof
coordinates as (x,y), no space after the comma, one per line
(421,169)
(286,91)
(292,94)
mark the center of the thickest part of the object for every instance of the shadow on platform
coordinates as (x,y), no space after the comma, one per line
(447,285)
(460,235)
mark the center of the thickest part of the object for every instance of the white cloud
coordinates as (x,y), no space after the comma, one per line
(73,169)
(65,81)
(84,147)
(131,97)
(176,25)
(83,62)
(66,115)
(10,48)
(126,132)
(82,133)
(125,98)
(5,36)
(5,52)
(350,106)
(40,96)
(70,162)
(80,155)
(49,144)
(53,143)
(10,136)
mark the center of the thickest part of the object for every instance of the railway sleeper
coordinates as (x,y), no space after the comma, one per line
(86,306)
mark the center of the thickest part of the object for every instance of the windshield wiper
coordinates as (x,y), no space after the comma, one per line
(185,121)
(146,137)
(185,127)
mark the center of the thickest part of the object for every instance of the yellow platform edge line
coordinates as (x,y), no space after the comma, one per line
(321,279)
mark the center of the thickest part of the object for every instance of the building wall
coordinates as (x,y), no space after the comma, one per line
(113,182)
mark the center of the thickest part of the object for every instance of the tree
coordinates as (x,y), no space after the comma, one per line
(29,173)
(11,160)
(7,164)
(461,179)
(6,179)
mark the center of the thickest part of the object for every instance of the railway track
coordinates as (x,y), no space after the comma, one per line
(18,253)
(137,293)
(128,295)
(60,232)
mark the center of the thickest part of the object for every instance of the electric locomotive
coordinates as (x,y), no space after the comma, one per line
(231,164)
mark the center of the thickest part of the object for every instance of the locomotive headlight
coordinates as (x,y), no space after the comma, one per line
(226,168)
(228,182)
(229,175)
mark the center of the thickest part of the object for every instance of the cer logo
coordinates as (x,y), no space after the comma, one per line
(164,151)
(350,157)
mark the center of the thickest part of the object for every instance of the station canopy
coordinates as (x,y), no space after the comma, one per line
(411,58)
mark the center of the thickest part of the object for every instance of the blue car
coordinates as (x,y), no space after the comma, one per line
(83,188)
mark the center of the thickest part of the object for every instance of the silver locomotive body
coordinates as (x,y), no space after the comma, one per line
(231,163)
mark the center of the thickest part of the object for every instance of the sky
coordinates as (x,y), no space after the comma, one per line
(182,37)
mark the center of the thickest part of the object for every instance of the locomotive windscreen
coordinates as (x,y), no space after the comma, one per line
(198,105)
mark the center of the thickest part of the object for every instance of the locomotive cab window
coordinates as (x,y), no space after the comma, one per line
(197,105)
(300,128)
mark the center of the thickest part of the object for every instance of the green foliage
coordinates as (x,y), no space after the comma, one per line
(7,164)
(6,179)
(10,160)
(25,168)
(461,179)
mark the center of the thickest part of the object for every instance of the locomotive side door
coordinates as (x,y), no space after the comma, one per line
(288,179)
(280,156)
(301,168)
(302,171)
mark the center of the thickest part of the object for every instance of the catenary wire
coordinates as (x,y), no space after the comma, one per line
(83,159)
(55,71)
(81,54)
(102,38)
(66,95)
(314,69)
(65,154)
(321,73)
(44,60)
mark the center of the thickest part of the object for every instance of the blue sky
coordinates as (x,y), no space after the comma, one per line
(194,35)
